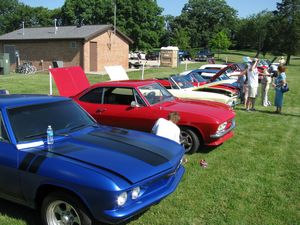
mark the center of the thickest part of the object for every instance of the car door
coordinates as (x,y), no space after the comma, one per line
(9,173)
(112,106)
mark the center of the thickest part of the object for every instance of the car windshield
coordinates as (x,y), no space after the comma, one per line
(180,82)
(31,122)
(155,93)
(197,77)
(224,75)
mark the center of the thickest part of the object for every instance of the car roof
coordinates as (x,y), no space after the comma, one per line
(213,66)
(124,83)
(15,100)
(205,71)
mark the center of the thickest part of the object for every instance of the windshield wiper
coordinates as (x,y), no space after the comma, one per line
(36,135)
(77,127)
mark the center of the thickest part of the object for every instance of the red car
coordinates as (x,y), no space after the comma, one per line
(137,105)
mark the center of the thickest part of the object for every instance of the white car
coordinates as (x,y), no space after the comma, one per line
(181,88)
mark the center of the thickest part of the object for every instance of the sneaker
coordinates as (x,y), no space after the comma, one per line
(253,109)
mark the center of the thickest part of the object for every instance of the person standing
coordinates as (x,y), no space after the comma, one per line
(265,84)
(279,81)
(168,128)
(252,75)
(242,83)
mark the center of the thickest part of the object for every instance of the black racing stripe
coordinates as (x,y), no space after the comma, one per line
(94,165)
(118,135)
(26,161)
(35,165)
(66,148)
(124,145)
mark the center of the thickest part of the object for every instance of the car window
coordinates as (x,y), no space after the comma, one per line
(3,132)
(93,96)
(118,96)
(138,98)
(180,82)
(190,78)
(30,122)
(155,93)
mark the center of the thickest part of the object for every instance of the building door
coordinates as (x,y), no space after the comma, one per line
(93,56)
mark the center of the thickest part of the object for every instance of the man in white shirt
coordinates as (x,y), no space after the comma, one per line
(252,75)
(168,128)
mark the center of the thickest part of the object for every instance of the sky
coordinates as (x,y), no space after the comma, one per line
(245,8)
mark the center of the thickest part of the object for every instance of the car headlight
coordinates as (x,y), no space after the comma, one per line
(222,127)
(135,192)
(122,198)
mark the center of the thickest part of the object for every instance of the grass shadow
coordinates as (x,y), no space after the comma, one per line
(267,112)
(19,212)
(207,149)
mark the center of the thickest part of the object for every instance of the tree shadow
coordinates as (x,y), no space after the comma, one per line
(19,212)
(268,112)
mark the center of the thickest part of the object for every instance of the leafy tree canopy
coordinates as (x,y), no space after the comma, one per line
(204,18)
(288,27)
(141,20)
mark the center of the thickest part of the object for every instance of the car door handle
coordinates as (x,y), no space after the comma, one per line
(100,110)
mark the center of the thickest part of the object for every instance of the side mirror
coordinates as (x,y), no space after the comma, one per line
(133,104)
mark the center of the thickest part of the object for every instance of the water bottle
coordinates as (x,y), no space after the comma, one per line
(50,140)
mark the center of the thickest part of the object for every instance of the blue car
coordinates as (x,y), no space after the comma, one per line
(91,173)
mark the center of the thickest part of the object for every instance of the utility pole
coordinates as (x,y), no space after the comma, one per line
(115,16)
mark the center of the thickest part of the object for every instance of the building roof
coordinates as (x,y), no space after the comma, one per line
(85,32)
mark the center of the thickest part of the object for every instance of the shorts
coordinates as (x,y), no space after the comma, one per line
(252,92)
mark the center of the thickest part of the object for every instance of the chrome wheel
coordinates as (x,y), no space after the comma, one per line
(189,140)
(62,213)
(186,140)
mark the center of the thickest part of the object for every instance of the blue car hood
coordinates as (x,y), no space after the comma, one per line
(133,155)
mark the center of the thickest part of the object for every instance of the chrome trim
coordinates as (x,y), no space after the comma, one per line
(218,135)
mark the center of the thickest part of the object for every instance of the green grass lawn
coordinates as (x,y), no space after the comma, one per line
(251,179)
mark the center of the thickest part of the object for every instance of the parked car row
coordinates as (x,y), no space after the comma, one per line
(183,55)
(90,173)
(101,167)
(137,104)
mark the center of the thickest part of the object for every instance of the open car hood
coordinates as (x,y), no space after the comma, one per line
(218,74)
(70,80)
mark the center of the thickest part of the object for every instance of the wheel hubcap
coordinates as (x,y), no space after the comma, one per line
(62,213)
(186,140)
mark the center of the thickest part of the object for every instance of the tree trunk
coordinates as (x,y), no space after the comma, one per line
(288,59)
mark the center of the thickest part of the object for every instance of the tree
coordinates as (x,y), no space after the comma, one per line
(204,18)
(167,32)
(288,27)
(141,20)
(180,38)
(13,14)
(254,32)
(220,41)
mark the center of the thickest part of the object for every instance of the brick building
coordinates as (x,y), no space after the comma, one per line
(90,46)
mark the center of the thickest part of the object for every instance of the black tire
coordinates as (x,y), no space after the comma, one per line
(60,208)
(189,139)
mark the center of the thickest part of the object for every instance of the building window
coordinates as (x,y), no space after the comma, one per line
(73,45)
